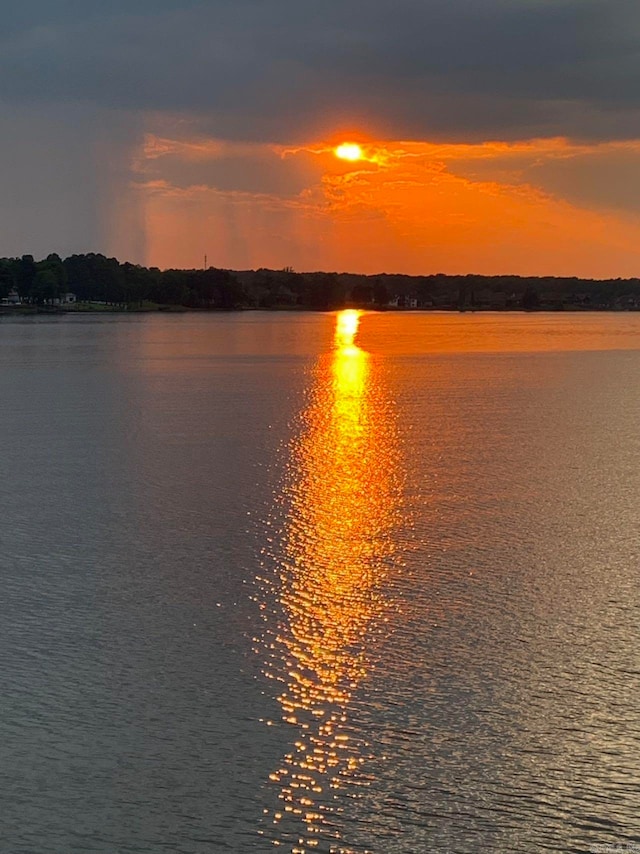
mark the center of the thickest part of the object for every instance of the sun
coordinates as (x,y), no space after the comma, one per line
(349,151)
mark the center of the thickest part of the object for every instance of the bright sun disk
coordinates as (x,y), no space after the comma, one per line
(349,151)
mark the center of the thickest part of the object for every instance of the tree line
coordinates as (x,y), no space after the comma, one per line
(94,277)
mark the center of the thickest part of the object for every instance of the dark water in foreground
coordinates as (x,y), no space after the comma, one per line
(262,585)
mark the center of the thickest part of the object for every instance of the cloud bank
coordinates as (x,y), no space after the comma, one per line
(282,70)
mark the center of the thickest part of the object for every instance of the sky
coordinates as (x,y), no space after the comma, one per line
(498,136)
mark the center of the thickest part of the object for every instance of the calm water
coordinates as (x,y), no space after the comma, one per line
(264,582)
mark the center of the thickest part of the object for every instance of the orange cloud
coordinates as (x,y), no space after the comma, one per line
(414,207)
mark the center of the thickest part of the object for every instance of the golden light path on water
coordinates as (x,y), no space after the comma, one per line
(331,561)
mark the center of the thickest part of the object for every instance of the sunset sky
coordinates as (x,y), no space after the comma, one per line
(498,136)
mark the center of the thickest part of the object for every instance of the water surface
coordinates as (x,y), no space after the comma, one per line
(265,583)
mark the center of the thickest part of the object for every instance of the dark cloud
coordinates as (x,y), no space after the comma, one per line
(281,70)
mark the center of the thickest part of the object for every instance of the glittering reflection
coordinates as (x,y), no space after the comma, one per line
(330,563)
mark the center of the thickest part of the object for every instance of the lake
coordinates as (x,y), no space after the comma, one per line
(321,582)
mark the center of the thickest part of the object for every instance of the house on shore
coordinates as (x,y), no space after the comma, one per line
(12,298)
(403,301)
(63,299)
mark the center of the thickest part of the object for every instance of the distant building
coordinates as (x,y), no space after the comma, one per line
(65,299)
(12,298)
(403,302)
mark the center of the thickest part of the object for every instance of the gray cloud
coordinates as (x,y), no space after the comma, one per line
(260,173)
(283,70)
(598,177)
(64,172)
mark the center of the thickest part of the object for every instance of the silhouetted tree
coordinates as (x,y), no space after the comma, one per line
(362,294)
(26,274)
(7,277)
(380,293)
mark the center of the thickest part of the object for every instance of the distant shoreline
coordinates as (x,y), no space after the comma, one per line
(95,283)
(81,310)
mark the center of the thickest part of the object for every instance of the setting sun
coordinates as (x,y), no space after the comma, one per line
(349,151)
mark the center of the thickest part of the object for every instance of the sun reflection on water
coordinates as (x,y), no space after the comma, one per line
(336,545)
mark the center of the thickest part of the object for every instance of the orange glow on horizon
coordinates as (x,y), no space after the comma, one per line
(396,206)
